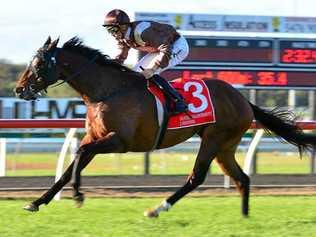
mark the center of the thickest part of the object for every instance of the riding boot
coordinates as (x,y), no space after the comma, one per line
(180,105)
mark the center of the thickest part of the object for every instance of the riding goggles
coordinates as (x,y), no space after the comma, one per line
(112,29)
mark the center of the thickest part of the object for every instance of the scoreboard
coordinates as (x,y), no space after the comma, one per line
(250,62)
(229,51)
(297,53)
(249,77)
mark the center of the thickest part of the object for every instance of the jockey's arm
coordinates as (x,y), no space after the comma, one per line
(123,52)
(162,40)
(162,60)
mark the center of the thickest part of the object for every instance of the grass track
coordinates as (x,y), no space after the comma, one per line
(217,216)
(43,164)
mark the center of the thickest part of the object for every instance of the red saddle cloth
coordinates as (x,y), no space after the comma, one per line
(198,99)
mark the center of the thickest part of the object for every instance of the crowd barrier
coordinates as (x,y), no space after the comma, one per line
(74,124)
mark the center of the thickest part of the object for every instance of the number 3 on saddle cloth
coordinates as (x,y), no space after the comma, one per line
(196,95)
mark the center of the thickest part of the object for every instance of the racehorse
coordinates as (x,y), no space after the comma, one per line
(121,117)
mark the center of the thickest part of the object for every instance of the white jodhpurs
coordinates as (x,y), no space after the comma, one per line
(180,50)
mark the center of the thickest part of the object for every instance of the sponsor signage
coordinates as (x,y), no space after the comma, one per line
(246,24)
(233,23)
(298,24)
(11,108)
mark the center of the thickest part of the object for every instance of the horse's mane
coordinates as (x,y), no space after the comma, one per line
(76,45)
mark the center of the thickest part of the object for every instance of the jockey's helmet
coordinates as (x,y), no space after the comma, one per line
(116,17)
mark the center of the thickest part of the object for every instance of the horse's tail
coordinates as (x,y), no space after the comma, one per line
(282,123)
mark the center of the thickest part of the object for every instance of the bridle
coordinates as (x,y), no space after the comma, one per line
(48,72)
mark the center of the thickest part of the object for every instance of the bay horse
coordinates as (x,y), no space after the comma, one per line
(121,117)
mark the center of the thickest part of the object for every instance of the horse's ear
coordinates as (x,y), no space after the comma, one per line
(54,43)
(47,41)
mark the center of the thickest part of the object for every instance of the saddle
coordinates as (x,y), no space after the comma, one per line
(197,96)
(175,102)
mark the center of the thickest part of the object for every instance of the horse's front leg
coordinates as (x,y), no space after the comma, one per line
(111,143)
(49,195)
(78,165)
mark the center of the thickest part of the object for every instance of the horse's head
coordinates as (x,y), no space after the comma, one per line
(40,73)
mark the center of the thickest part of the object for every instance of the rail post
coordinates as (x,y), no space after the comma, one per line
(74,146)
(147,163)
(250,156)
(226,181)
(313,161)
(62,155)
(2,157)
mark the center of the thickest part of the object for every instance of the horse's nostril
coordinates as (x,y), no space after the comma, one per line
(19,90)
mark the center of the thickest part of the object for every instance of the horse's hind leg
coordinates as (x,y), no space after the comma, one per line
(205,156)
(226,160)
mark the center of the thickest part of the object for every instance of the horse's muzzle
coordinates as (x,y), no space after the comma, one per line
(24,93)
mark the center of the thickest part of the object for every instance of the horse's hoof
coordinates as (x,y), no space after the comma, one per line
(79,199)
(31,207)
(151,213)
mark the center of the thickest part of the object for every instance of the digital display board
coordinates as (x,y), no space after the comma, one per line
(249,51)
(239,51)
(297,52)
(250,61)
(248,77)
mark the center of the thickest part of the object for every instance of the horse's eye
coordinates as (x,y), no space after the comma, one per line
(40,67)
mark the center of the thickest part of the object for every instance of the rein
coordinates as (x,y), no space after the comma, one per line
(83,67)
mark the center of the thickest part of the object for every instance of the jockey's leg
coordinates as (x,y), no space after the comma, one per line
(180,50)
(145,62)
(180,105)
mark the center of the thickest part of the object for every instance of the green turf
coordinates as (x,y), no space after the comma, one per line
(218,216)
(39,164)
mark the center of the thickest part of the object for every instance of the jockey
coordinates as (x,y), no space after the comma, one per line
(165,48)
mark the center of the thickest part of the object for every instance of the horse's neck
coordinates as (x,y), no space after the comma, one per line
(95,83)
